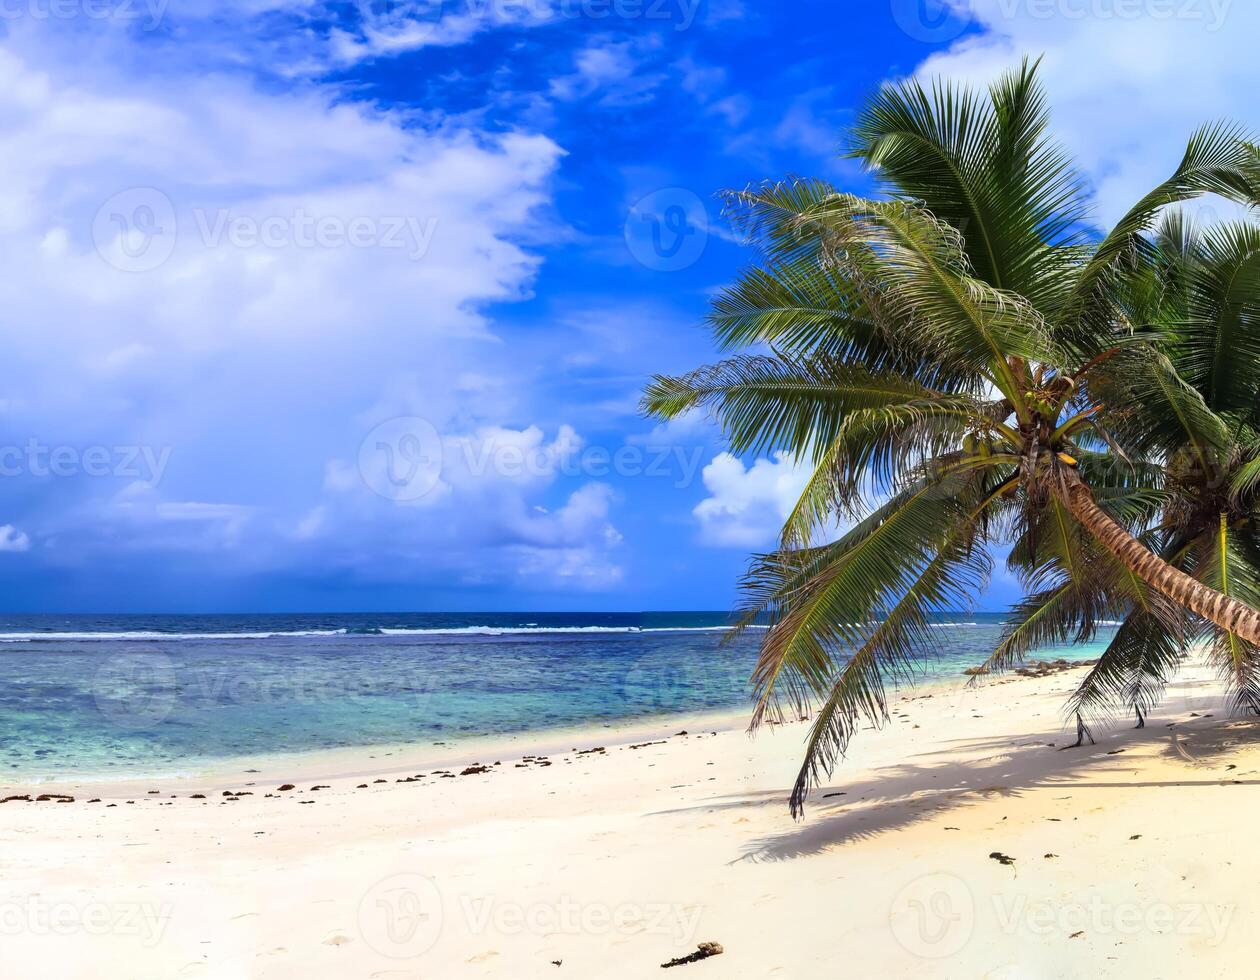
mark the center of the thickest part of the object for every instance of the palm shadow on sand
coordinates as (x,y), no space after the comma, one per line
(901,795)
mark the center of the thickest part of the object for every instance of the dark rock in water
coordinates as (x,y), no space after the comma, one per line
(286,787)
(195,796)
(17,799)
(54,797)
(474,770)
(362,786)
(314,788)
(976,671)
(703,952)
(375,781)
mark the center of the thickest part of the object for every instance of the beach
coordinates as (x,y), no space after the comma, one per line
(961,840)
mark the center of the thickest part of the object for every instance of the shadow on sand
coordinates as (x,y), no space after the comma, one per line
(897,796)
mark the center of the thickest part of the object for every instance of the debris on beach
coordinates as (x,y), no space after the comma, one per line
(1001,858)
(1046,668)
(703,952)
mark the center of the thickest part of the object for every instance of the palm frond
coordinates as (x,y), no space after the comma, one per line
(985,167)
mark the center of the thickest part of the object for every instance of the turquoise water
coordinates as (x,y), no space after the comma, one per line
(131,694)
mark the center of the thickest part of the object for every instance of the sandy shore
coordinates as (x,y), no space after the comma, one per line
(960,841)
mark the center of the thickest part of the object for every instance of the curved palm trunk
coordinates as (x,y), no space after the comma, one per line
(1227,613)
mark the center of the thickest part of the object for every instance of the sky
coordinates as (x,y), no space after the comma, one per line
(348,306)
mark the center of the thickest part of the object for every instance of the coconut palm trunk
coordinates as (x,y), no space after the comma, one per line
(1229,614)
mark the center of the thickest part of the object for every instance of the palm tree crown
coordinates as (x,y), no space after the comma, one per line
(966,353)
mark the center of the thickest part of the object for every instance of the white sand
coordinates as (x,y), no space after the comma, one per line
(1138,863)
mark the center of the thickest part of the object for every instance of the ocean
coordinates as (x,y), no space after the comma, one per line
(126,695)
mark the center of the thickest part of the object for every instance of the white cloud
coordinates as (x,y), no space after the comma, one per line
(409,25)
(484,518)
(255,355)
(11,539)
(1128,83)
(611,70)
(746,506)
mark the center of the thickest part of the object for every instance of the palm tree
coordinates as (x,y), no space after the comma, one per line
(966,351)
(1199,290)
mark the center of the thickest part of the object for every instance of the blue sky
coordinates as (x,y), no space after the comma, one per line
(316,306)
